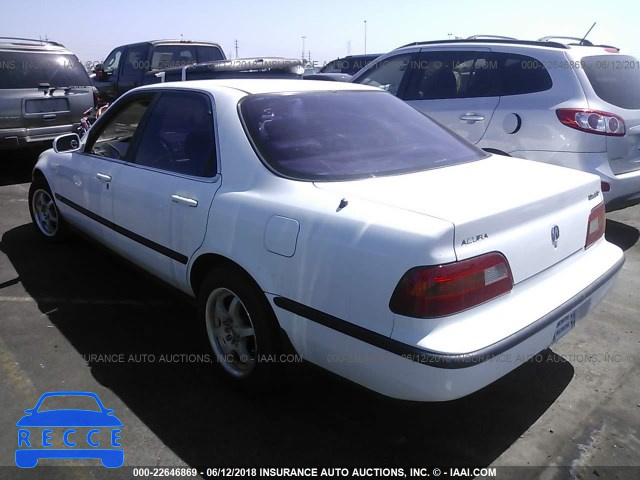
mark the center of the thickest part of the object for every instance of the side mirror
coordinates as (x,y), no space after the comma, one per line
(66,143)
(98,68)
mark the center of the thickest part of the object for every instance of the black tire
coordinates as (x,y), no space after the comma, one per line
(45,215)
(231,305)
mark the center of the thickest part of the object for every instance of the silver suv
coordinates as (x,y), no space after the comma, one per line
(44,91)
(571,104)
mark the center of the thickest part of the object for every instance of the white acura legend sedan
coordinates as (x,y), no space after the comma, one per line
(336,219)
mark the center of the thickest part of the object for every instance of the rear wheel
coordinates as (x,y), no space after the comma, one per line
(241,328)
(44,212)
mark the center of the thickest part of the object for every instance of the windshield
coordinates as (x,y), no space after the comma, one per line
(348,135)
(29,69)
(615,79)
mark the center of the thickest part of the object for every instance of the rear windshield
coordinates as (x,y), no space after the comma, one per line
(348,135)
(615,79)
(29,69)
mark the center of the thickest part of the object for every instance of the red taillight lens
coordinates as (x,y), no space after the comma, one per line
(596,226)
(592,121)
(605,187)
(435,291)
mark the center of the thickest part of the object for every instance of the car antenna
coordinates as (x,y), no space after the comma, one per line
(588,32)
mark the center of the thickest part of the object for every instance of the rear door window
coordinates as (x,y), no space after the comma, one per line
(179,135)
(615,79)
(29,69)
(135,60)
(170,56)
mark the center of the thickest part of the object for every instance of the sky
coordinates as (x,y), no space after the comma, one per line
(332,28)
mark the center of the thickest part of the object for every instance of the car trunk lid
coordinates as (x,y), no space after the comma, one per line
(534,214)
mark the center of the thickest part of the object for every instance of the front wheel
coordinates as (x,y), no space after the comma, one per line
(44,212)
(241,327)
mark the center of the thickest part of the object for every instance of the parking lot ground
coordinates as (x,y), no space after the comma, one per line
(73,317)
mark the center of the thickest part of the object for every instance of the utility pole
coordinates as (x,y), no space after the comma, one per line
(303,39)
(365,37)
(237,49)
(309,56)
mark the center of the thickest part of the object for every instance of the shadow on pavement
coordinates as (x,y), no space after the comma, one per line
(16,166)
(319,419)
(623,235)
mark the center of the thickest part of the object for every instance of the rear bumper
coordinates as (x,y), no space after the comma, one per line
(15,138)
(624,188)
(465,352)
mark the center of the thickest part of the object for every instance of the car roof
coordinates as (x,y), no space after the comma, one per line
(257,86)
(583,50)
(364,55)
(171,42)
(31,45)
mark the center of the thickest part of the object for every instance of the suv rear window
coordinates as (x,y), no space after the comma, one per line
(29,69)
(348,135)
(615,79)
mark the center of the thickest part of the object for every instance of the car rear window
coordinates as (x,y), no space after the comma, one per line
(348,135)
(615,79)
(29,69)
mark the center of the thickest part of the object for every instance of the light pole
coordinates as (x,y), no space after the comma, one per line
(365,37)
(303,39)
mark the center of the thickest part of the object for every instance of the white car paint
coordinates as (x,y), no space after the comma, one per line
(304,246)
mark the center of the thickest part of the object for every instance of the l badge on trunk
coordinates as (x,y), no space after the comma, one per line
(555,235)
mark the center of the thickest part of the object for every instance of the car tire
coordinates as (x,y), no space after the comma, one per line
(242,329)
(44,212)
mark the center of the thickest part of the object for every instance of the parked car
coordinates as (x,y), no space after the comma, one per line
(132,65)
(572,104)
(383,248)
(43,91)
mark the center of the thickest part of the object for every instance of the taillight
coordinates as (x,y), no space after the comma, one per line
(592,121)
(605,187)
(435,291)
(597,225)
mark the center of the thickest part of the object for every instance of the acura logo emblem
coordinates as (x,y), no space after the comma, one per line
(555,235)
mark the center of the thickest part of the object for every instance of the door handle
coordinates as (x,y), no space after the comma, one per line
(103,178)
(471,117)
(184,200)
(49,116)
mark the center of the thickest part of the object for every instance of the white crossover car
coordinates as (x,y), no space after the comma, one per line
(336,219)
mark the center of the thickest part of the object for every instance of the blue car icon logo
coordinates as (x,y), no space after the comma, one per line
(90,432)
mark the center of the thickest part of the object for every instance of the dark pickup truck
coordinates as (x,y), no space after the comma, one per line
(130,66)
